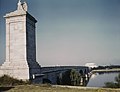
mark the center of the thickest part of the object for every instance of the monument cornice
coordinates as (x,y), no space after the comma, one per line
(20,13)
(15,13)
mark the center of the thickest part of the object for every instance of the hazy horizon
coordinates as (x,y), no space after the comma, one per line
(71,32)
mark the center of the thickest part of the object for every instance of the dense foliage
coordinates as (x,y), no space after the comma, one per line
(6,80)
(70,77)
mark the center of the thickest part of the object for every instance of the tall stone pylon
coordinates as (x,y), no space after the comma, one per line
(20,44)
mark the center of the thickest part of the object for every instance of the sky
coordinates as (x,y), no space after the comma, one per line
(71,32)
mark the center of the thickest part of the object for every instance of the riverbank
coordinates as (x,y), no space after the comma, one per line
(106,70)
(56,88)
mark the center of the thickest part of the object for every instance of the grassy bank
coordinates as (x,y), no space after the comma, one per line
(10,84)
(49,88)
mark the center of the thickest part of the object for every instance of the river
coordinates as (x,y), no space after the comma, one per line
(98,80)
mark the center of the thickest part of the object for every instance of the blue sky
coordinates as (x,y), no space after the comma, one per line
(71,32)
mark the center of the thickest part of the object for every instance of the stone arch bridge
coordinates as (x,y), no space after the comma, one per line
(52,73)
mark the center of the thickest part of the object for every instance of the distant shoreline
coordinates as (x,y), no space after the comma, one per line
(106,70)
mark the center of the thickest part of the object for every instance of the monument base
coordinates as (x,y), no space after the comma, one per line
(16,70)
(16,73)
(20,70)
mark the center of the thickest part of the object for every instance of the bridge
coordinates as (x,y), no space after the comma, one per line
(53,73)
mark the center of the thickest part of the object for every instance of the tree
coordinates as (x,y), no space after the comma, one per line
(75,77)
(71,77)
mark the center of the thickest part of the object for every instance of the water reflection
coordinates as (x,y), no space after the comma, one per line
(98,79)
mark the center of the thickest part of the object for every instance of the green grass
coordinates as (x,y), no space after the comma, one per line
(10,84)
(48,88)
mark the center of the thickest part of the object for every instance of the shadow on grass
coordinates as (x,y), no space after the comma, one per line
(5,88)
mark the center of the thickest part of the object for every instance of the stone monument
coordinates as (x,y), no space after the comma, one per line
(20,44)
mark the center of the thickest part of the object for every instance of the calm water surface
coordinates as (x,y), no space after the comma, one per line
(98,80)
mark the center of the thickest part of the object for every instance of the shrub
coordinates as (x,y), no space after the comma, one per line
(115,84)
(6,80)
(110,85)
